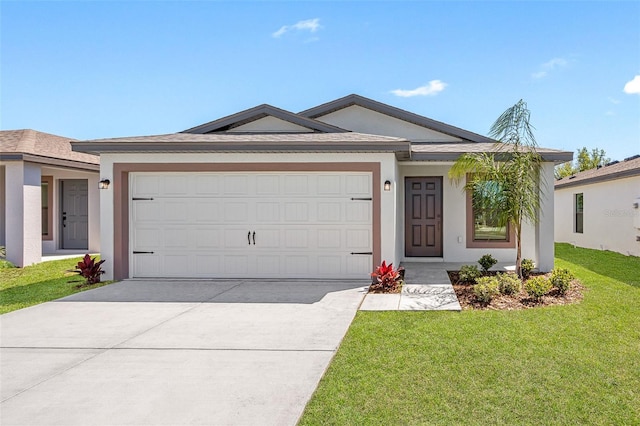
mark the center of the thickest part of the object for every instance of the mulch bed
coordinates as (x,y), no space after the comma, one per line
(467,299)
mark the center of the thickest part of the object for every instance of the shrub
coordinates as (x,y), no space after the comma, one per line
(561,279)
(468,273)
(509,283)
(3,252)
(526,267)
(537,287)
(89,269)
(4,264)
(486,262)
(486,288)
(385,279)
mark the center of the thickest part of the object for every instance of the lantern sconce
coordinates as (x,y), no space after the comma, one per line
(104,184)
(387,185)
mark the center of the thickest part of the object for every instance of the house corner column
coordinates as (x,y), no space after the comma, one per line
(545,251)
(24,221)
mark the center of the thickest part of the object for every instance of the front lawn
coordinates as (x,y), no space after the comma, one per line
(574,364)
(22,287)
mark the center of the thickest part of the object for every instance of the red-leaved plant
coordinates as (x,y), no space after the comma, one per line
(90,269)
(385,279)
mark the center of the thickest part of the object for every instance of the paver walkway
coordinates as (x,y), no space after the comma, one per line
(427,288)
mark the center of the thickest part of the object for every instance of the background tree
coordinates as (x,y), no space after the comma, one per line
(585,160)
(513,170)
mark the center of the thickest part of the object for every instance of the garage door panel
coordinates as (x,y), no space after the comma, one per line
(268,265)
(206,238)
(236,211)
(208,211)
(175,185)
(201,225)
(267,211)
(236,265)
(206,184)
(207,265)
(267,185)
(175,265)
(176,238)
(236,185)
(146,238)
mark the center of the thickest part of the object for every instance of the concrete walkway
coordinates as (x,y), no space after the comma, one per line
(173,353)
(427,288)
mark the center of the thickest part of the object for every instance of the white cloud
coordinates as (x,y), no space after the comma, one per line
(433,88)
(311,25)
(633,87)
(613,100)
(549,66)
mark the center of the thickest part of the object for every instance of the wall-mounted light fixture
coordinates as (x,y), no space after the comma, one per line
(387,185)
(104,184)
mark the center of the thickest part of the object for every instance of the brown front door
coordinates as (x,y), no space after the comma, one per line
(423,217)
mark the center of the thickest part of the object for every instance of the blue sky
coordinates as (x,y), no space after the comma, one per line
(106,69)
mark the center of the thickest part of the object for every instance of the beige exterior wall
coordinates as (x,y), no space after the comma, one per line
(388,171)
(270,124)
(23,226)
(608,216)
(363,120)
(3,208)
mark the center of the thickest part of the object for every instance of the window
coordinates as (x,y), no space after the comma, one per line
(46,189)
(578,220)
(483,227)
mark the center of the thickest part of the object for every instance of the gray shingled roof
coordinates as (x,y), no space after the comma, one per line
(31,145)
(451,151)
(618,170)
(262,142)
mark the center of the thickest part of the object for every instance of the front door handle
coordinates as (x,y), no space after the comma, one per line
(254,238)
(249,237)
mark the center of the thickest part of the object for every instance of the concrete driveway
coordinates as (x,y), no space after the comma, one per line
(173,353)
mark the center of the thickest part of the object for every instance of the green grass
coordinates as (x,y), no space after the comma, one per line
(22,287)
(575,364)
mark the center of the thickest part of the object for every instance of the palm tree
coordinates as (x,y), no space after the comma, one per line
(506,182)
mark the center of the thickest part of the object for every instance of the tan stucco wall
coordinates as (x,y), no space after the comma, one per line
(608,215)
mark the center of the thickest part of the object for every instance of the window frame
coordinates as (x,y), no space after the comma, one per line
(576,213)
(49,181)
(510,242)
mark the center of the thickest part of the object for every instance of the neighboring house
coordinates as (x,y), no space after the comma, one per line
(49,199)
(599,208)
(325,193)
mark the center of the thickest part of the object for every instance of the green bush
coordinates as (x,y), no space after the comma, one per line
(561,279)
(526,266)
(486,262)
(537,287)
(6,264)
(486,288)
(468,273)
(509,283)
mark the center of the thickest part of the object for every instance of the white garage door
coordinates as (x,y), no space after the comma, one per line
(254,225)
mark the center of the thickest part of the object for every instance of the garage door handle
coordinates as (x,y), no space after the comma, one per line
(362,252)
(254,238)
(249,237)
(142,252)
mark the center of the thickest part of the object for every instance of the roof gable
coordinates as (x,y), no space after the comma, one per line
(235,122)
(449,131)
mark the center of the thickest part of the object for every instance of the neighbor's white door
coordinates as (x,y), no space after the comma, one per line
(254,225)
